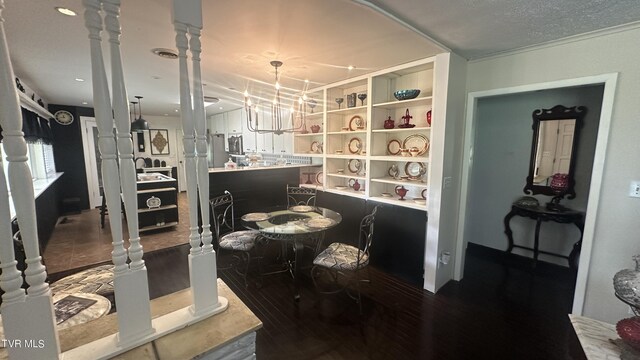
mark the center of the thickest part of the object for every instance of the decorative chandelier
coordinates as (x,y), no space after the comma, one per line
(278,112)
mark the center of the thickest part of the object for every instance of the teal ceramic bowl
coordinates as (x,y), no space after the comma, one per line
(406,94)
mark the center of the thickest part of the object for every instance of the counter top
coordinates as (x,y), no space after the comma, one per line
(153,177)
(39,186)
(273,167)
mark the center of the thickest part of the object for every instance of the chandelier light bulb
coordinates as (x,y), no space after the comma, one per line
(275,102)
(249,102)
(300,100)
(246,93)
(304,97)
(277,85)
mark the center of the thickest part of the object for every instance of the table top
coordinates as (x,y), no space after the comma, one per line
(594,337)
(299,219)
(73,312)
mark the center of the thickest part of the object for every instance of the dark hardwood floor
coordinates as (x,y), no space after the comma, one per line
(496,312)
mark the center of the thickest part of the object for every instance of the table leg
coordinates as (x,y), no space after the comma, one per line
(536,242)
(298,248)
(507,230)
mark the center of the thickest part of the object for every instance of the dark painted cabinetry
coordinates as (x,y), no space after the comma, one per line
(151,217)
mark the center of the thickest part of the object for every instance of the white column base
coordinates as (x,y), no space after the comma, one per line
(30,329)
(108,346)
(134,308)
(204,282)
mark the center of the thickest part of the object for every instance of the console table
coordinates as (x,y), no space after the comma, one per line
(541,214)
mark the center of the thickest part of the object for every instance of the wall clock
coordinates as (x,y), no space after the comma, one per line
(63,117)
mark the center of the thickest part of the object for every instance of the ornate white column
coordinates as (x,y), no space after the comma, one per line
(131,285)
(25,316)
(187,17)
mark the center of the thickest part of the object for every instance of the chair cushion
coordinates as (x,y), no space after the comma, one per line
(239,240)
(341,256)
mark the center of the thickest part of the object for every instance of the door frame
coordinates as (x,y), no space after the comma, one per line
(609,81)
(89,162)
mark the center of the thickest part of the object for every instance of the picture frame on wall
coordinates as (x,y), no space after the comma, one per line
(159,141)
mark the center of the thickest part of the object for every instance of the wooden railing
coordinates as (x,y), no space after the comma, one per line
(30,315)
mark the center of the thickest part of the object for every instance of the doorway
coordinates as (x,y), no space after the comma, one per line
(488,162)
(92,161)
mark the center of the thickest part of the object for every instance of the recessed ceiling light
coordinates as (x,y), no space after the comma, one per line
(79,79)
(165,53)
(65,11)
(176,110)
(84,103)
(220,107)
(350,67)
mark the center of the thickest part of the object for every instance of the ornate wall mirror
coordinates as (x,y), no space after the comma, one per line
(553,151)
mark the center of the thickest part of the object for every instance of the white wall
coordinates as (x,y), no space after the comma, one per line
(617,226)
(174,126)
(501,164)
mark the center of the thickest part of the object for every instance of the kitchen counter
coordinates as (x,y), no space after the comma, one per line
(272,167)
(153,177)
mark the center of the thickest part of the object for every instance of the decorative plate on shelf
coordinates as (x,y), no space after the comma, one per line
(255,217)
(153,202)
(355,145)
(393,171)
(386,194)
(415,170)
(341,187)
(319,178)
(319,222)
(302,208)
(354,166)
(356,123)
(315,147)
(393,147)
(416,140)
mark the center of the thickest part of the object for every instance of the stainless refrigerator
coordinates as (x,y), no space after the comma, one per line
(217,155)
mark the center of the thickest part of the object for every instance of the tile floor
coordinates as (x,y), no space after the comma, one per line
(78,241)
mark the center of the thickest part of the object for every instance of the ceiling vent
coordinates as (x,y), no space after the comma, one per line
(211,99)
(165,53)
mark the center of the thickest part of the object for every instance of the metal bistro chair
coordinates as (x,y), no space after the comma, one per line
(346,260)
(228,238)
(297,195)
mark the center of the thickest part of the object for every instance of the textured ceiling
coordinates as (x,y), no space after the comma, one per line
(478,28)
(316,40)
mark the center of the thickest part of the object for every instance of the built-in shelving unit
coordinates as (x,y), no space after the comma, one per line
(353,132)
(164,213)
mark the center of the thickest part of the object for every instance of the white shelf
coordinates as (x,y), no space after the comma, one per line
(155,227)
(396,104)
(392,181)
(396,201)
(400,158)
(401,129)
(348,111)
(147,191)
(346,132)
(347,176)
(349,156)
(165,207)
(32,105)
(308,154)
(308,134)
(349,192)
(313,116)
